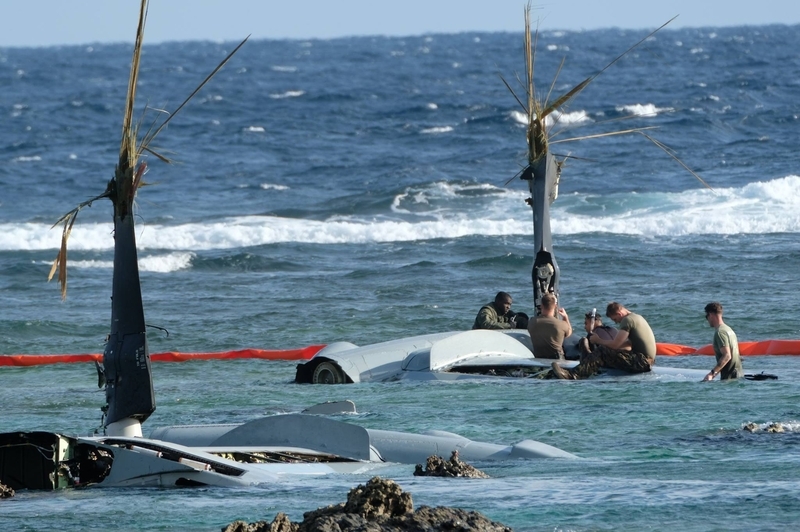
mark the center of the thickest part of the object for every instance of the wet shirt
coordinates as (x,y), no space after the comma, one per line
(724,336)
(640,335)
(547,336)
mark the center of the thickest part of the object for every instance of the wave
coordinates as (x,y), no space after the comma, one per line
(647,110)
(437,129)
(255,231)
(556,117)
(287,94)
(271,186)
(756,208)
(27,158)
(170,262)
(454,210)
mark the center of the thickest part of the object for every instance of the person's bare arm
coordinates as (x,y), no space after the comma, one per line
(620,340)
(723,360)
(563,314)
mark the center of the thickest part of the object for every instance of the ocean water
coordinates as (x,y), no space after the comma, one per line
(363,189)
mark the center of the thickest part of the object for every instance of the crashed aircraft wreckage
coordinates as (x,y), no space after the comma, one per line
(491,353)
(453,355)
(260,451)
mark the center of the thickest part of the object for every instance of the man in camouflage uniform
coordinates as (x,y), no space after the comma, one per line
(633,349)
(496,315)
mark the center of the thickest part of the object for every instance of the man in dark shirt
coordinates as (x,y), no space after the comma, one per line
(593,324)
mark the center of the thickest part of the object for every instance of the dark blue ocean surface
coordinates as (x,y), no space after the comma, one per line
(364,189)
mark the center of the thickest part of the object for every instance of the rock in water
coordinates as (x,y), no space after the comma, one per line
(435,466)
(379,506)
(281,523)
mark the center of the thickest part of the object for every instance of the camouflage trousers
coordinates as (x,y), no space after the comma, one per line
(606,357)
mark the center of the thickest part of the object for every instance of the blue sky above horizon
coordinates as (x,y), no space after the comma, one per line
(55,22)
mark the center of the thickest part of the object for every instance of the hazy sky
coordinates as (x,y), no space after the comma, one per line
(47,22)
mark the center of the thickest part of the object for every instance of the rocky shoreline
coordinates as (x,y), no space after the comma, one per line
(378,506)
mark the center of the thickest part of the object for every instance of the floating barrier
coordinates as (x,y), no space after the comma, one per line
(764,347)
(171,356)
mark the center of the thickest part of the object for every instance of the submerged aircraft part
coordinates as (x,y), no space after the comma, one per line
(261,451)
(126,360)
(49,461)
(457,355)
(543,177)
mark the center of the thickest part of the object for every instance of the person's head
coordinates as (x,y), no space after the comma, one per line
(548,304)
(616,312)
(714,314)
(590,322)
(502,302)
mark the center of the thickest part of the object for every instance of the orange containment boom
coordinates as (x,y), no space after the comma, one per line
(764,347)
(272,354)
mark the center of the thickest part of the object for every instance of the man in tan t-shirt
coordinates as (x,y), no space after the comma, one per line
(548,332)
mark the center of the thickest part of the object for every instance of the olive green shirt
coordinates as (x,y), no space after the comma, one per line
(724,336)
(489,318)
(547,336)
(640,335)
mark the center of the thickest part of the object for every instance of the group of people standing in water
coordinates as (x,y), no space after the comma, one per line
(630,347)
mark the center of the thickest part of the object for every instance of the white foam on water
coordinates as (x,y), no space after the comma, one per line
(287,94)
(159,263)
(556,117)
(645,110)
(270,186)
(756,208)
(27,158)
(453,210)
(435,130)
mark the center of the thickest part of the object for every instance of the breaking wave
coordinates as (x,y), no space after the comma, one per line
(287,94)
(645,110)
(438,129)
(453,210)
(170,262)
(556,117)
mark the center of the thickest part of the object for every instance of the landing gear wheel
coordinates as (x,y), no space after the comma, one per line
(327,373)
